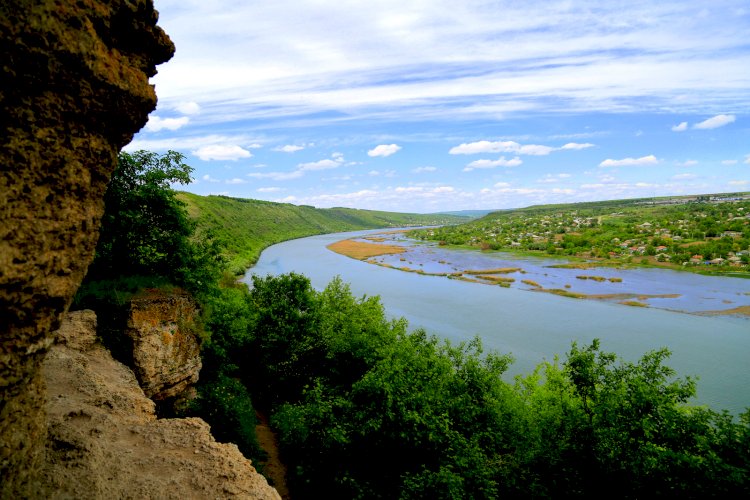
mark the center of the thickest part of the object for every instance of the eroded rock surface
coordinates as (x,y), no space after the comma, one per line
(166,348)
(73,90)
(104,439)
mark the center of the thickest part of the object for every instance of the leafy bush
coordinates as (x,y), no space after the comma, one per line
(226,405)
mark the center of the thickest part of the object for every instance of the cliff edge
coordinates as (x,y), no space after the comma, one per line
(104,440)
(73,90)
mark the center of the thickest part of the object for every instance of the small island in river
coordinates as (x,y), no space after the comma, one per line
(637,287)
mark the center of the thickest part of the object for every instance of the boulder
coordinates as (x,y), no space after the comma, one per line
(105,441)
(165,344)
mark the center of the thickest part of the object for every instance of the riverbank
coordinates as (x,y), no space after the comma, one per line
(632,285)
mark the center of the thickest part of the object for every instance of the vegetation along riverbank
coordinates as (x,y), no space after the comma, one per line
(365,408)
(706,234)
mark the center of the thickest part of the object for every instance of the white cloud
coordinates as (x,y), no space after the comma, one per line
(715,122)
(384,150)
(687,163)
(208,178)
(236,180)
(188,108)
(628,162)
(480,147)
(373,173)
(278,176)
(730,162)
(156,123)
(551,178)
(269,190)
(576,145)
(500,147)
(421,170)
(221,152)
(747,160)
(500,162)
(739,183)
(289,148)
(320,165)
(683,126)
(502,185)
(683,177)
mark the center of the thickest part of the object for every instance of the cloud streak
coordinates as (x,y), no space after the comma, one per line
(630,162)
(715,122)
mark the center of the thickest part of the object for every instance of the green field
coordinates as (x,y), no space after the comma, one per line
(244,227)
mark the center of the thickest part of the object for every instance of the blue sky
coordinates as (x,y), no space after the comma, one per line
(431,105)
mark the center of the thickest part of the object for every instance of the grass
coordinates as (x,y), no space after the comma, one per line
(736,311)
(243,228)
(501,270)
(496,279)
(633,303)
(531,283)
(564,293)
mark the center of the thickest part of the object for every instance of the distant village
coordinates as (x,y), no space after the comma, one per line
(686,231)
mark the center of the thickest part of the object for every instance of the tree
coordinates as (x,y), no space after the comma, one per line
(145,229)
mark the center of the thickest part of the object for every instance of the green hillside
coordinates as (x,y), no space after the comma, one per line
(244,227)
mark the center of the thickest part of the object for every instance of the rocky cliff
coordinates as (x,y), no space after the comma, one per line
(73,90)
(104,439)
(166,349)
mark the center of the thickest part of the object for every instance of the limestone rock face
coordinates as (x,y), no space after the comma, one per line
(105,441)
(73,90)
(166,352)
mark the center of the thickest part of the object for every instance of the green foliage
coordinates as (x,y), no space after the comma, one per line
(245,227)
(226,405)
(665,231)
(366,410)
(145,228)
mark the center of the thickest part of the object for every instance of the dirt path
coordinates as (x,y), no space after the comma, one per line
(273,468)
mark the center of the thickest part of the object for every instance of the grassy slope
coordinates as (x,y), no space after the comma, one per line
(245,227)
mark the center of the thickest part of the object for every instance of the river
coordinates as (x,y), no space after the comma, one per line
(532,326)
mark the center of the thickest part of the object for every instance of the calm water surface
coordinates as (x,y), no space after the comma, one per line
(536,326)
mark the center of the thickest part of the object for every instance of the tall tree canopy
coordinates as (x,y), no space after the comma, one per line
(145,228)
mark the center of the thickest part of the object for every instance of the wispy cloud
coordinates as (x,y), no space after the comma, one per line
(383,150)
(188,107)
(553,178)
(629,162)
(422,170)
(577,146)
(156,123)
(278,176)
(683,177)
(230,152)
(289,148)
(479,147)
(500,162)
(681,127)
(715,122)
